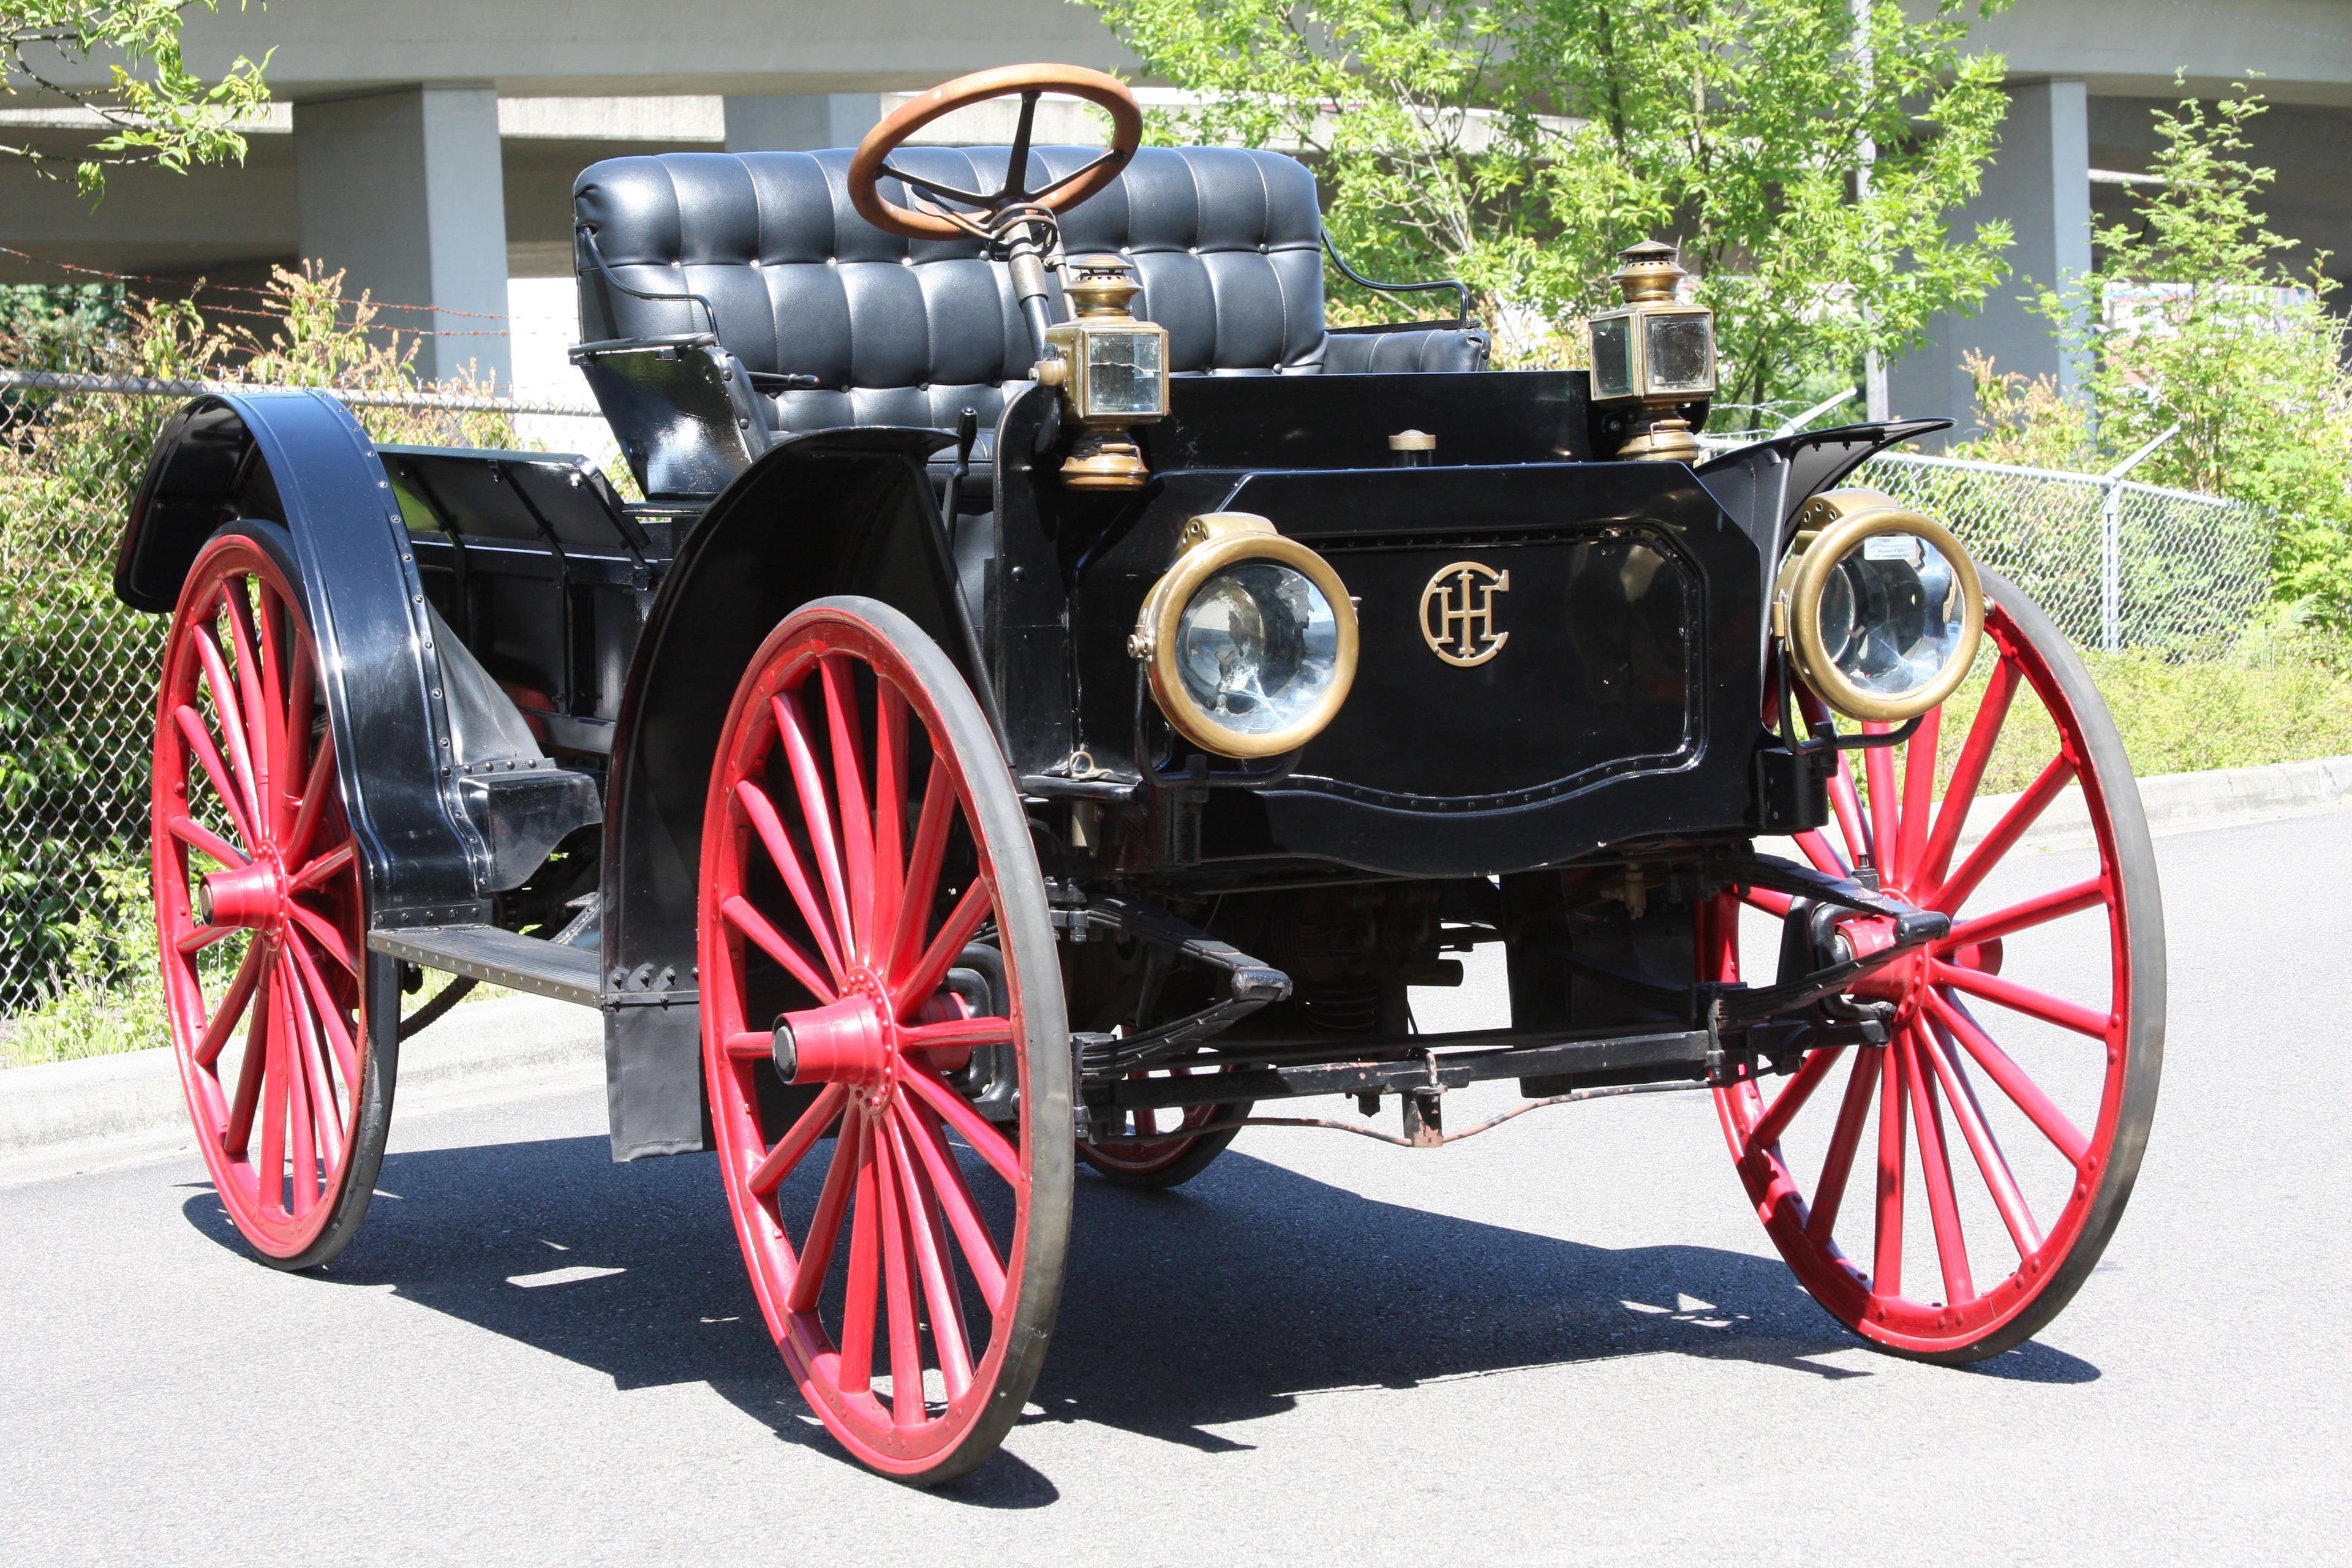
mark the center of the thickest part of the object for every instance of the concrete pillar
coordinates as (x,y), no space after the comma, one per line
(403,193)
(801,122)
(2040,181)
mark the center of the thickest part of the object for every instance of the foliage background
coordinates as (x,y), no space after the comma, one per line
(77,669)
(1520,143)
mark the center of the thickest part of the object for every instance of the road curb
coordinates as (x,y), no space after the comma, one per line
(64,1116)
(70,1115)
(2180,803)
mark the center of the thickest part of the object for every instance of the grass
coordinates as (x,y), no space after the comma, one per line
(2283,698)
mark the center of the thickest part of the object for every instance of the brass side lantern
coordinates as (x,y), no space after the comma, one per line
(1652,355)
(1112,370)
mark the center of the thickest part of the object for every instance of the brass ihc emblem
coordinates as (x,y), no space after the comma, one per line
(1457,612)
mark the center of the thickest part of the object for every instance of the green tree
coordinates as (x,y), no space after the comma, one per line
(1520,143)
(2193,319)
(151,108)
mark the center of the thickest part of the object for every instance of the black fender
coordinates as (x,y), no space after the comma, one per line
(299,459)
(1764,486)
(835,511)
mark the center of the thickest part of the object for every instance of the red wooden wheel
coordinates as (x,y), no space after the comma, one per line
(862,832)
(2014,1100)
(1197,1134)
(279,1014)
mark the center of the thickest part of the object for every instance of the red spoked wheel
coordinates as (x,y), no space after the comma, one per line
(862,835)
(283,1022)
(1195,1135)
(2026,1046)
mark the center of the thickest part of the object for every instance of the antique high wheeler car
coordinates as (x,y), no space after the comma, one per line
(1057,699)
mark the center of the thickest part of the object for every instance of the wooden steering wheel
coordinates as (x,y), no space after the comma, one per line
(935,218)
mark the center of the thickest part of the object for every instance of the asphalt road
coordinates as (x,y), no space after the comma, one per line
(1566,1340)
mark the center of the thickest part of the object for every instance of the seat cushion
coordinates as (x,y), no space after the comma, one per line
(908,332)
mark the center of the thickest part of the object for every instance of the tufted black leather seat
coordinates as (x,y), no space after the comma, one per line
(897,332)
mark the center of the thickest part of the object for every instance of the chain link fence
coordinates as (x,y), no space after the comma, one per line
(2117,565)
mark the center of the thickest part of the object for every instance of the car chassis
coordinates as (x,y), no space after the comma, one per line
(844,777)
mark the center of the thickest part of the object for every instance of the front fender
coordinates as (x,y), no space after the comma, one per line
(838,511)
(299,459)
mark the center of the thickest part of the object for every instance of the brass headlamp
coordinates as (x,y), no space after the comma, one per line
(1248,640)
(1112,370)
(1879,609)
(1652,355)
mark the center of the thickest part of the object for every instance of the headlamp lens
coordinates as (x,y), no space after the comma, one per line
(1893,614)
(1258,647)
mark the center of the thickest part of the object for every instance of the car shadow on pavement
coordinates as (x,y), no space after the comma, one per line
(1184,1312)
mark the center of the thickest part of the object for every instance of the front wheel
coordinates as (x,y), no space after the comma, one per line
(2025,1046)
(861,836)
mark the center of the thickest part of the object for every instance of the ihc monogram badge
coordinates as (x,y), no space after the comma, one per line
(1457,612)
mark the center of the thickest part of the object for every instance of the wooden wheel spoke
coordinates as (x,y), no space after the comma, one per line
(294,767)
(865,1272)
(330,1015)
(1968,773)
(328,940)
(824,1226)
(961,924)
(2089,893)
(1919,792)
(238,1131)
(322,869)
(201,938)
(798,1140)
(1845,1141)
(1885,827)
(2022,1092)
(889,815)
(969,1125)
(302,1147)
(817,813)
(1983,1147)
(196,836)
(849,793)
(985,1030)
(1777,905)
(739,914)
(191,725)
(2022,814)
(1936,1169)
(271,1166)
(1822,853)
(925,860)
(1886,1268)
(232,719)
(316,787)
(958,1207)
(894,1221)
(222,1022)
(1792,1096)
(927,1242)
(761,812)
(261,726)
(2022,999)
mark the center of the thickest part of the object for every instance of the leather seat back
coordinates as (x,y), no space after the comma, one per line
(900,332)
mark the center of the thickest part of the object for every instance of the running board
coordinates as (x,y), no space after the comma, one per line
(500,957)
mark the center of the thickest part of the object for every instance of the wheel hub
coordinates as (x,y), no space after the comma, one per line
(854,1041)
(253,895)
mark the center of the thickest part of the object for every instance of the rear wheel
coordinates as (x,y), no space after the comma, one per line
(2026,1045)
(1195,1135)
(283,1024)
(862,837)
